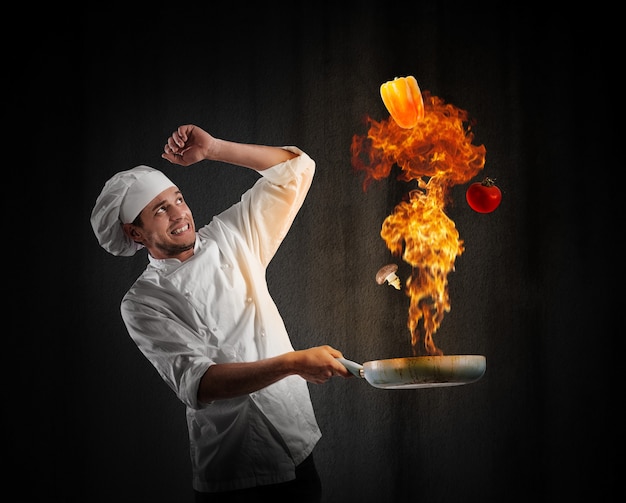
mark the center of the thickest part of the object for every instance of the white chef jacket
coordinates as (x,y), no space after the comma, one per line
(215,308)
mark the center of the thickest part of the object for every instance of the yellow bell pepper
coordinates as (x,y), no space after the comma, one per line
(403,99)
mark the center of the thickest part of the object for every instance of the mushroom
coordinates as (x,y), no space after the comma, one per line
(388,273)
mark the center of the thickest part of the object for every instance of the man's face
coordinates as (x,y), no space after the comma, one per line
(168,229)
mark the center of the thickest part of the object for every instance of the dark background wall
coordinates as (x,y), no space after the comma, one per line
(530,292)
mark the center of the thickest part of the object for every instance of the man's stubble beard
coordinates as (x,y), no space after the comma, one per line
(174,250)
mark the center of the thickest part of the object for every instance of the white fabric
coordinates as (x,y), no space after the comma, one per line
(215,308)
(145,188)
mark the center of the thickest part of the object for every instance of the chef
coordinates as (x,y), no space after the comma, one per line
(201,313)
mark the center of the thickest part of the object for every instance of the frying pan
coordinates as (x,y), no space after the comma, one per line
(419,371)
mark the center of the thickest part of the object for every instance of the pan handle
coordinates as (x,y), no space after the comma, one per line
(354,367)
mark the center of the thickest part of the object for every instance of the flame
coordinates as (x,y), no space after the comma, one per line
(437,153)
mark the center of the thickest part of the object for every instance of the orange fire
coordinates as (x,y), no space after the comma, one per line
(437,153)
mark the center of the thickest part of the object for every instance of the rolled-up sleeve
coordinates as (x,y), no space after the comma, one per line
(180,355)
(267,211)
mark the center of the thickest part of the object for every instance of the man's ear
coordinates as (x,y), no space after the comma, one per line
(131,231)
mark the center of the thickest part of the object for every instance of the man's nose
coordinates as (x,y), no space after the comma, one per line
(176,213)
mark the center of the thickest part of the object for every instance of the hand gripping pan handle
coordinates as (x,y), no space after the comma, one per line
(354,367)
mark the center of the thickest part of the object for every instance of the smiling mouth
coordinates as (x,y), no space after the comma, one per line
(181,230)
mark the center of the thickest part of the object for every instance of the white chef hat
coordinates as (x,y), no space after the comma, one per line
(123,197)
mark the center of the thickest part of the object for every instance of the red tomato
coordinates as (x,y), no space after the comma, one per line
(483,197)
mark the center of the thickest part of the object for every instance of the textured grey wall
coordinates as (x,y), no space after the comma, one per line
(522,294)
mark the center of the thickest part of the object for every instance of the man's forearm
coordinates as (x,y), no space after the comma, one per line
(257,157)
(229,380)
